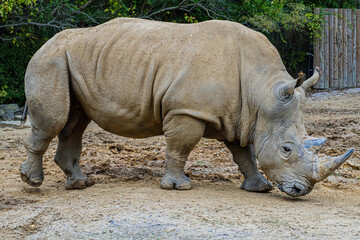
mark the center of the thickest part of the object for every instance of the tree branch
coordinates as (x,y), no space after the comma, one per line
(30,23)
(187,8)
(208,11)
(87,4)
(181,5)
(93,20)
(9,39)
(142,7)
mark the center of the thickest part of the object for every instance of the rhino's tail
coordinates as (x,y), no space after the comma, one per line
(24,116)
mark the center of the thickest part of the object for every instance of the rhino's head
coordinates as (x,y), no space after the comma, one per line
(284,151)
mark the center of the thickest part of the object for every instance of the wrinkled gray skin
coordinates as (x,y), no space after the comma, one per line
(140,78)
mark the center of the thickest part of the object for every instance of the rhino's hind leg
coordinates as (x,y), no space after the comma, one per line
(69,150)
(244,157)
(182,134)
(31,171)
(47,120)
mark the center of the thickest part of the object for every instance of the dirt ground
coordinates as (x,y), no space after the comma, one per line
(127,203)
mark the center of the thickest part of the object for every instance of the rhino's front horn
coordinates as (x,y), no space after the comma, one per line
(326,165)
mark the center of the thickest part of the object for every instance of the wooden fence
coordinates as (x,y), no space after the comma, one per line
(338,52)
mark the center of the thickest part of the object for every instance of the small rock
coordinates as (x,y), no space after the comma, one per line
(17,117)
(11,201)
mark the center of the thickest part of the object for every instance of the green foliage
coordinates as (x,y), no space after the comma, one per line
(121,9)
(13,63)
(314,25)
(25,25)
(14,6)
(190,19)
(3,93)
(353,4)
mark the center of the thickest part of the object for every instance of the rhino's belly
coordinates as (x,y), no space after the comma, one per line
(126,123)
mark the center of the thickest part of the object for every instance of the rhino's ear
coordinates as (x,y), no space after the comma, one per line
(286,90)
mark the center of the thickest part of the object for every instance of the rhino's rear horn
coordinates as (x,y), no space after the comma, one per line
(313,80)
(327,165)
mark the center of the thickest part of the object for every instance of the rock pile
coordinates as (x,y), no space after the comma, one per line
(10,112)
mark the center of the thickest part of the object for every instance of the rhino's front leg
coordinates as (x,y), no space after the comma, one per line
(182,133)
(244,157)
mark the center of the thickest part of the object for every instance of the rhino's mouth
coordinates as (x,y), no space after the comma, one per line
(294,189)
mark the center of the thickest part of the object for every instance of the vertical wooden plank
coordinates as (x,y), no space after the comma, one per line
(349,48)
(331,55)
(345,60)
(346,48)
(340,38)
(325,83)
(335,65)
(317,50)
(327,51)
(358,47)
(353,50)
(322,55)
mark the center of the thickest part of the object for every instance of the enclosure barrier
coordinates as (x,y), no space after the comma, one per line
(338,52)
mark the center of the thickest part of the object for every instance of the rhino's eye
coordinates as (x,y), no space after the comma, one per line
(287,96)
(286,151)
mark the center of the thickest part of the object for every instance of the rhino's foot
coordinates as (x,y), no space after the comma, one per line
(170,182)
(256,184)
(31,174)
(78,183)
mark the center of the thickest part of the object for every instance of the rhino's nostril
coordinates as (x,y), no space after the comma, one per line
(298,188)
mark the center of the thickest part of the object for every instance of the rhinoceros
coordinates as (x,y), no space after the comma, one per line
(140,78)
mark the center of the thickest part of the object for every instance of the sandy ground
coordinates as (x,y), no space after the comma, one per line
(127,203)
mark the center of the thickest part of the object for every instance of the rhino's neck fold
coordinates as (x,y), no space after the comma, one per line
(247,123)
(248,113)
